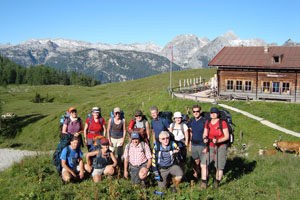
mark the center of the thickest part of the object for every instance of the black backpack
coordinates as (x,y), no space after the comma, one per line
(225,115)
(167,115)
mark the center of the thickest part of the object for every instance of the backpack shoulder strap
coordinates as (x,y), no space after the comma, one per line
(143,147)
(90,121)
(127,147)
(182,129)
(173,126)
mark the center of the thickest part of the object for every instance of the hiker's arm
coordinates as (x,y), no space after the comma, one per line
(126,168)
(148,131)
(205,134)
(226,136)
(124,132)
(64,165)
(153,136)
(108,132)
(104,130)
(190,139)
(64,129)
(186,135)
(113,159)
(81,166)
(88,160)
(85,133)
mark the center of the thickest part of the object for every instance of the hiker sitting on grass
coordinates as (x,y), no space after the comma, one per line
(101,159)
(217,147)
(163,161)
(71,161)
(73,124)
(138,155)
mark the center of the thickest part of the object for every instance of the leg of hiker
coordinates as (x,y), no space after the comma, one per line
(109,170)
(220,164)
(164,175)
(66,176)
(177,173)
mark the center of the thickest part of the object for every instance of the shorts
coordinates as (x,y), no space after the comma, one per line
(197,152)
(174,170)
(98,171)
(134,173)
(217,154)
(76,170)
(116,143)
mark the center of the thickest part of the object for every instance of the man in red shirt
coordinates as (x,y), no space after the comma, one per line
(216,148)
(138,156)
(94,126)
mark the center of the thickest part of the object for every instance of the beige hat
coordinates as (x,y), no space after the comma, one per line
(117,109)
(177,115)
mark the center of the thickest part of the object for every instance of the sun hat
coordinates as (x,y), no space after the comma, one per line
(135,135)
(95,109)
(117,109)
(71,109)
(177,115)
(138,113)
(214,110)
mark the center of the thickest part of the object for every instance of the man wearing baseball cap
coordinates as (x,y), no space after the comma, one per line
(139,163)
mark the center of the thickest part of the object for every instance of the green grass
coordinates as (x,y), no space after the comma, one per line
(247,175)
(286,115)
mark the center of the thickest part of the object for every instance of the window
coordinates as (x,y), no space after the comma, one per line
(276,59)
(229,85)
(276,87)
(239,85)
(248,85)
(266,87)
(286,88)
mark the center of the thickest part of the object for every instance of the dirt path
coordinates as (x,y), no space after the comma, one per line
(10,156)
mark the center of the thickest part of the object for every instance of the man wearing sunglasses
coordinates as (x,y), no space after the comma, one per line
(163,157)
(196,144)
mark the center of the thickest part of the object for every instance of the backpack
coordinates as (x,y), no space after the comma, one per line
(225,115)
(96,143)
(64,142)
(185,119)
(63,118)
(167,115)
(112,118)
(181,126)
(127,147)
(177,157)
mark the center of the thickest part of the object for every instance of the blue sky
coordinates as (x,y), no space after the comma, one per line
(131,21)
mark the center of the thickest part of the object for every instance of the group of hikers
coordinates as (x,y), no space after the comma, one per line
(205,137)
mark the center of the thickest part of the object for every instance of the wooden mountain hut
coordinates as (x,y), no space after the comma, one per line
(268,73)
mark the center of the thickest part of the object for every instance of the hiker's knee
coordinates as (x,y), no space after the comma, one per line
(97,178)
(109,170)
(66,176)
(143,173)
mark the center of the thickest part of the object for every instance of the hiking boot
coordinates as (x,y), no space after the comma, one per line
(203,185)
(216,184)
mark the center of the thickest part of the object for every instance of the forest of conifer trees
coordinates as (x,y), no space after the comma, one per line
(12,73)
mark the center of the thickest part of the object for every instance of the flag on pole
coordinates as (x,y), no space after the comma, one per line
(171,47)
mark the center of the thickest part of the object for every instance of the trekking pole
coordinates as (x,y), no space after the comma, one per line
(216,147)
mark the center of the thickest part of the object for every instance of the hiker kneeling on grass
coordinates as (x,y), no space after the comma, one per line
(71,161)
(138,155)
(163,161)
(216,140)
(101,158)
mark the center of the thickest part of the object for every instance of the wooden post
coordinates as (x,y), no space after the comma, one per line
(241,135)
(184,83)
(180,84)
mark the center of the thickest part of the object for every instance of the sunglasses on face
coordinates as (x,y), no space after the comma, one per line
(196,111)
(138,115)
(118,113)
(74,111)
(166,138)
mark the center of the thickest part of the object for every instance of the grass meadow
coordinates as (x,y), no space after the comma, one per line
(247,175)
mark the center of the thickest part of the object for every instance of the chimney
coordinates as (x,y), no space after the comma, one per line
(266,49)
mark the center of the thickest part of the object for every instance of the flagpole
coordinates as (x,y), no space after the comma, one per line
(171,60)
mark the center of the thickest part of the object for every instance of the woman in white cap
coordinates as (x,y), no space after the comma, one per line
(94,126)
(181,135)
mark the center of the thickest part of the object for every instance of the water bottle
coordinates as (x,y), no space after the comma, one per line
(158,193)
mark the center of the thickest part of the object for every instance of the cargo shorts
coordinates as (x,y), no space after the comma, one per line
(197,152)
(216,154)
